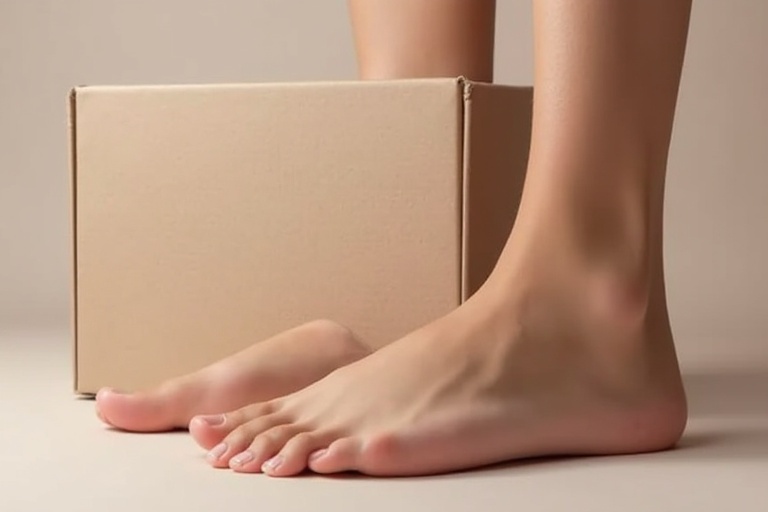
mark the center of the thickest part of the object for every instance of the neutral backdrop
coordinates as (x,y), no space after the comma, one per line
(717,199)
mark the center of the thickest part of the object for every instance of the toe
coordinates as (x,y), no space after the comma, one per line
(237,441)
(158,410)
(341,455)
(294,456)
(263,448)
(99,414)
(210,430)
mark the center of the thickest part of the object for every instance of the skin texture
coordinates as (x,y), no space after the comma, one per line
(567,348)
(282,364)
(424,38)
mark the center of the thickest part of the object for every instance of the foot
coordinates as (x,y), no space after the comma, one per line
(543,363)
(280,365)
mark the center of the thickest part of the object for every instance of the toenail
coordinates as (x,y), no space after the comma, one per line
(272,463)
(242,458)
(212,421)
(217,451)
(317,454)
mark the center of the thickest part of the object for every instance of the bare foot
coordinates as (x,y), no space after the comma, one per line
(280,365)
(537,363)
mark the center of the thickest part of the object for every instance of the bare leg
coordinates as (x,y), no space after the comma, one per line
(567,348)
(424,38)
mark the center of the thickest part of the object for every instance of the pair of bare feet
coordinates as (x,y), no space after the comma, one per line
(545,359)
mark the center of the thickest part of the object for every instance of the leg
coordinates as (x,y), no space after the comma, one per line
(567,348)
(424,38)
(461,44)
(279,365)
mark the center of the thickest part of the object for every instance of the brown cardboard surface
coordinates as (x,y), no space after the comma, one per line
(211,217)
(497,131)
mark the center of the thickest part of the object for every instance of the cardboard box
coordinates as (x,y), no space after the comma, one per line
(207,218)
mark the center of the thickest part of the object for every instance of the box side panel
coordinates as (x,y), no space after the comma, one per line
(497,138)
(209,218)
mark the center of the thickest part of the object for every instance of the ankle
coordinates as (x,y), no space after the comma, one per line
(606,214)
(619,298)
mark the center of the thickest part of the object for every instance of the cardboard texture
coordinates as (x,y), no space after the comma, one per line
(207,218)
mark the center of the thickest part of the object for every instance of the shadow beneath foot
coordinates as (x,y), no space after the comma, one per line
(723,443)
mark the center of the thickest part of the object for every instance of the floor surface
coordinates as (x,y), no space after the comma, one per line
(58,456)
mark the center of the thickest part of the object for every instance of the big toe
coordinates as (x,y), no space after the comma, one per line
(165,408)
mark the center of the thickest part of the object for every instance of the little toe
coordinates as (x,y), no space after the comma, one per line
(341,455)
(264,447)
(294,456)
(240,439)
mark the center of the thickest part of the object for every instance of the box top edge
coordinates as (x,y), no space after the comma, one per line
(265,85)
(453,82)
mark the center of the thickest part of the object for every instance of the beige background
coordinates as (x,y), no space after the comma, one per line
(717,208)
(62,458)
